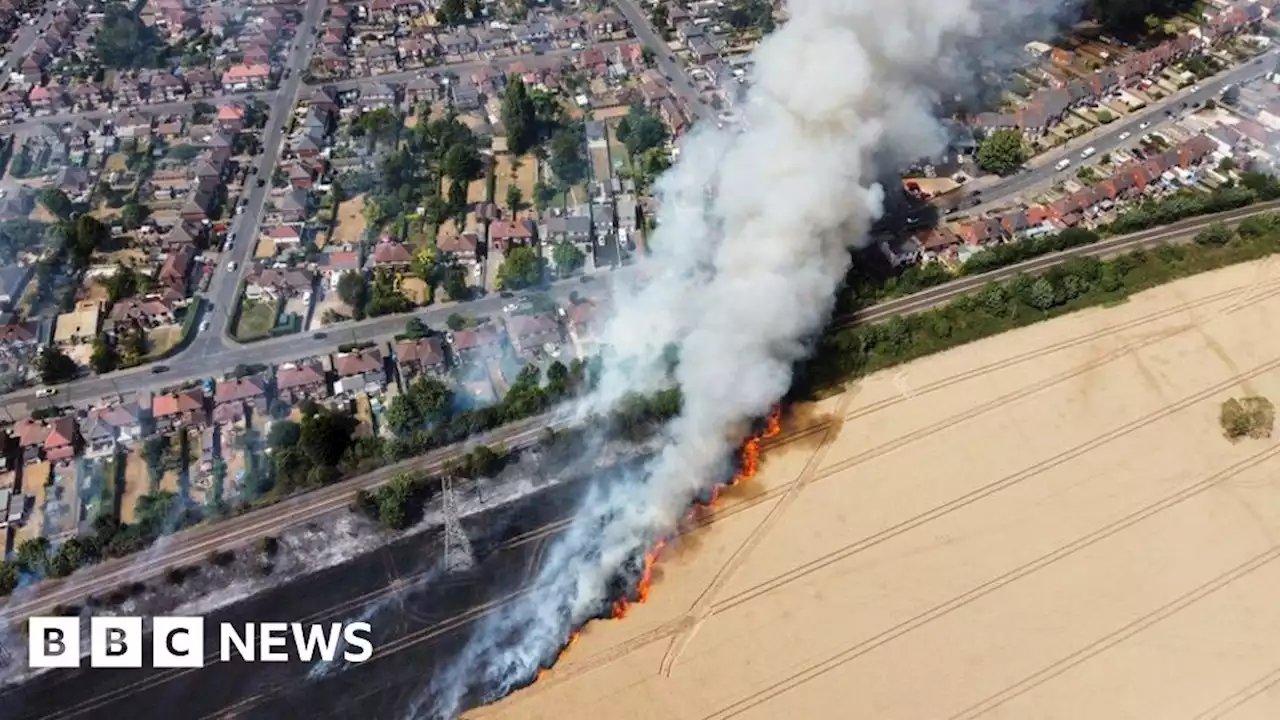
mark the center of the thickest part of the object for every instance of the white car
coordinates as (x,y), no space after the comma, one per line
(46,392)
(1195,88)
(231,266)
(1125,135)
(1144,126)
(204,325)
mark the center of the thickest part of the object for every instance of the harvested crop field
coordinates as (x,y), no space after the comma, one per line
(1045,524)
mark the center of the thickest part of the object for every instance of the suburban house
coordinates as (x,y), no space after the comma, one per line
(415,357)
(295,383)
(580,320)
(529,333)
(246,76)
(234,397)
(50,439)
(179,410)
(336,263)
(390,254)
(505,233)
(173,273)
(145,313)
(359,371)
(104,428)
(480,342)
(461,246)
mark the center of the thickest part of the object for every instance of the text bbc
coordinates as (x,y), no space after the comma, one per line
(178,642)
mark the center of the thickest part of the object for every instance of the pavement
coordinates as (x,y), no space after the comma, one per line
(191,546)
(26,37)
(1040,172)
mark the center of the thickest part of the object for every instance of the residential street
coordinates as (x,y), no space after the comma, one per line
(675,71)
(224,288)
(1041,173)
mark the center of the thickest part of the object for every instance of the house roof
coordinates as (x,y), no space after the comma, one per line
(475,338)
(31,432)
(139,309)
(240,389)
(62,432)
(355,363)
(338,260)
(458,244)
(427,351)
(511,229)
(390,252)
(177,403)
(521,326)
(302,375)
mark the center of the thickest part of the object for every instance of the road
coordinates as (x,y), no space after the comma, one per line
(26,37)
(1041,173)
(193,545)
(672,69)
(224,288)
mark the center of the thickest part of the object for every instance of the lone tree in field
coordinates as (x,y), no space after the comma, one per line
(1247,417)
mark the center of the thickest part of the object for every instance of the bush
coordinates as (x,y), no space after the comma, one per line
(1251,417)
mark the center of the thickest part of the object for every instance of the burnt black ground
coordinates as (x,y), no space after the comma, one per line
(381,688)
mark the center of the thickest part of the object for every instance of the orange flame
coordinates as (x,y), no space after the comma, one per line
(749,464)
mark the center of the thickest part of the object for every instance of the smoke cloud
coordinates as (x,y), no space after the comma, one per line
(754,230)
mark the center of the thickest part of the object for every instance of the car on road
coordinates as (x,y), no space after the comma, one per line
(506,294)
(510,307)
(1062,164)
(46,392)
(1194,88)
(1088,152)
(157,369)
(204,325)
(1125,135)
(231,266)
(261,182)
(1144,125)
(319,336)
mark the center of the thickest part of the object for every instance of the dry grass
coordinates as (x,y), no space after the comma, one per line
(162,339)
(137,482)
(33,479)
(523,177)
(351,224)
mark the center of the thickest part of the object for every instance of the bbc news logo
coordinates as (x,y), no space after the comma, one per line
(178,642)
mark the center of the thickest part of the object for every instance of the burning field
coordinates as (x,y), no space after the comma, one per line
(1043,524)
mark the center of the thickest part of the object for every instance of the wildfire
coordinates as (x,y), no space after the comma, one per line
(748,465)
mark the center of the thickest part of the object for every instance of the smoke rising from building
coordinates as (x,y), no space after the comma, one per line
(754,231)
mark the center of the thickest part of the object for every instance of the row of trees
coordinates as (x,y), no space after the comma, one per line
(1077,283)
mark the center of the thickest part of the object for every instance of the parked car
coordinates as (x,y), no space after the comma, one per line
(46,392)
(157,369)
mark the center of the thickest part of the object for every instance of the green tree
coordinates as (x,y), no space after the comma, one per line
(558,380)
(84,235)
(56,202)
(568,155)
(521,268)
(121,284)
(568,258)
(1041,294)
(1002,152)
(416,329)
(518,117)
(8,578)
(124,41)
(55,366)
(104,358)
(461,162)
(455,322)
(354,291)
(32,555)
(1216,234)
(543,194)
(283,433)
(641,130)
(133,214)
(324,436)
(514,198)
(452,12)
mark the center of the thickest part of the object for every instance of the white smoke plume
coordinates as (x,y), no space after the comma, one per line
(751,246)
